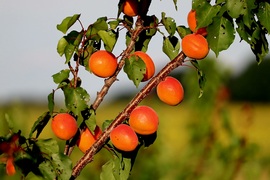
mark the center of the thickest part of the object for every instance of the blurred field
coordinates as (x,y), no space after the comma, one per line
(168,157)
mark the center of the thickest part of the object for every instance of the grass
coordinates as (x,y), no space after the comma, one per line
(172,150)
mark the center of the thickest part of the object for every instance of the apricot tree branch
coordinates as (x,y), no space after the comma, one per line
(89,155)
(108,82)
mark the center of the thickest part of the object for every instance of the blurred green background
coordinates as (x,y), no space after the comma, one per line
(222,135)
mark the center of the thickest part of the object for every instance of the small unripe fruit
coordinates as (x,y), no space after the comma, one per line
(144,120)
(64,126)
(170,91)
(124,138)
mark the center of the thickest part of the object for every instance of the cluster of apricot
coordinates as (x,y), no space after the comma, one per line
(8,149)
(65,127)
(195,45)
(143,120)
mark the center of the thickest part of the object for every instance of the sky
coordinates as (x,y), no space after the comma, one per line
(28,40)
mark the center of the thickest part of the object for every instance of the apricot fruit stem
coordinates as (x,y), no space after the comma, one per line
(89,155)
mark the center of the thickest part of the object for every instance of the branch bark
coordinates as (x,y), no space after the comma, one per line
(89,155)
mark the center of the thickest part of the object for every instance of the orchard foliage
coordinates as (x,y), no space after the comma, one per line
(223,19)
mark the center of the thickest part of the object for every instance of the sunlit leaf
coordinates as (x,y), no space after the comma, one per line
(183,31)
(56,165)
(89,116)
(109,39)
(171,46)
(40,124)
(61,46)
(264,14)
(51,102)
(93,29)
(201,76)
(76,99)
(114,24)
(61,76)
(205,14)
(135,69)
(169,23)
(220,34)
(67,23)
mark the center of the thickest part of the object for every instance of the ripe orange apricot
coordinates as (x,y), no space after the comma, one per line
(64,126)
(130,7)
(87,138)
(10,168)
(144,120)
(192,23)
(103,63)
(170,91)
(150,66)
(195,46)
(124,138)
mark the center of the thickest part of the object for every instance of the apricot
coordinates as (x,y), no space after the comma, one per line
(150,66)
(87,138)
(124,138)
(10,168)
(103,63)
(64,126)
(130,7)
(195,46)
(170,91)
(144,120)
(192,23)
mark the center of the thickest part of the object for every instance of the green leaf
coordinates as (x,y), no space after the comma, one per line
(90,119)
(205,14)
(51,102)
(171,46)
(201,76)
(93,29)
(109,39)
(175,4)
(169,24)
(108,171)
(117,168)
(55,165)
(46,170)
(106,124)
(183,31)
(61,46)
(114,24)
(61,76)
(264,15)
(67,23)
(235,8)
(76,99)
(255,36)
(48,146)
(40,124)
(135,69)
(220,34)
(9,121)
(73,41)
(151,22)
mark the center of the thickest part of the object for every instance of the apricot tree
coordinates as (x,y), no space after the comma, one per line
(220,20)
